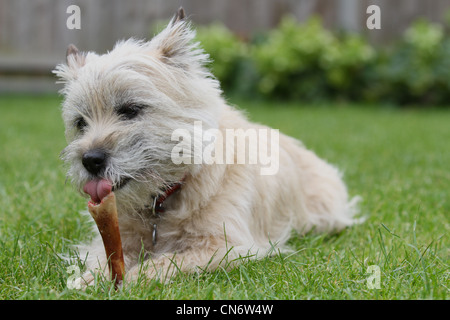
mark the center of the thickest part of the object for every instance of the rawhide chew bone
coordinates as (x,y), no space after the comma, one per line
(105,216)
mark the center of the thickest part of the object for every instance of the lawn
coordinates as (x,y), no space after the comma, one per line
(396,160)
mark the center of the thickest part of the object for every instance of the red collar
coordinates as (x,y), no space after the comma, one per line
(159,200)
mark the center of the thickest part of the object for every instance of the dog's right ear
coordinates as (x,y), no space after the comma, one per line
(74,58)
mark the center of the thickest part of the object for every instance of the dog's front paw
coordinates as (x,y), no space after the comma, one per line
(90,279)
(82,282)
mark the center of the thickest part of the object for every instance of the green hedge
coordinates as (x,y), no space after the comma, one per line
(307,62)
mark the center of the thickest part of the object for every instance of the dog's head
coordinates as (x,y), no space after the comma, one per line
(121,108)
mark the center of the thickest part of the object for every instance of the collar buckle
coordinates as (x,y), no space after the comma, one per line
(158,208)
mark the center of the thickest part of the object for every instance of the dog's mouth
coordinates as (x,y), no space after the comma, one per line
(120,184)
(97,189)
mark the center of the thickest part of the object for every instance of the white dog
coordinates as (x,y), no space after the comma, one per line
(121,111)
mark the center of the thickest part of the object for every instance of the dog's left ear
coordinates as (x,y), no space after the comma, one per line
(180,14)
(175,43)
(175,37)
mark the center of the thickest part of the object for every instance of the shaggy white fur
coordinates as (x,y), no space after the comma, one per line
(223,211)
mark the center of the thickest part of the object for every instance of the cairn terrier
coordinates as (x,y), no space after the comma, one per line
(121,110)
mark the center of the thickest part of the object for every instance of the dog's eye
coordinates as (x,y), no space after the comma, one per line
(80,123)
(128,112)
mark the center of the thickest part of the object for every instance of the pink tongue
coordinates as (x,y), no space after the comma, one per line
(98,189)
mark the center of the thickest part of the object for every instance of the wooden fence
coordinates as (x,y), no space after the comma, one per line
(34,34)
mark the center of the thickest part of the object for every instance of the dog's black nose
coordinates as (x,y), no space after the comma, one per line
(94,161)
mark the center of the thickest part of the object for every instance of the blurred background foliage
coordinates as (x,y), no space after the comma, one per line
(308,62)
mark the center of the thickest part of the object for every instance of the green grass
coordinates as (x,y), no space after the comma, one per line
(397,160)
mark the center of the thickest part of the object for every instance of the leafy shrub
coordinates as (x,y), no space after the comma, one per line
(306,61)
(290,60)
(226,51)
(417,70)
(346,66)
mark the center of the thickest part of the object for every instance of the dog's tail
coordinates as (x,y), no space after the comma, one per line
(324,201)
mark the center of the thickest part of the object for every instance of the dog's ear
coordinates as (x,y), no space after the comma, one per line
(175,44)
(180,14)
(74,60)
(175,37)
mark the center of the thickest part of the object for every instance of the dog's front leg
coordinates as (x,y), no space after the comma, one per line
(193,260)
(168,265)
